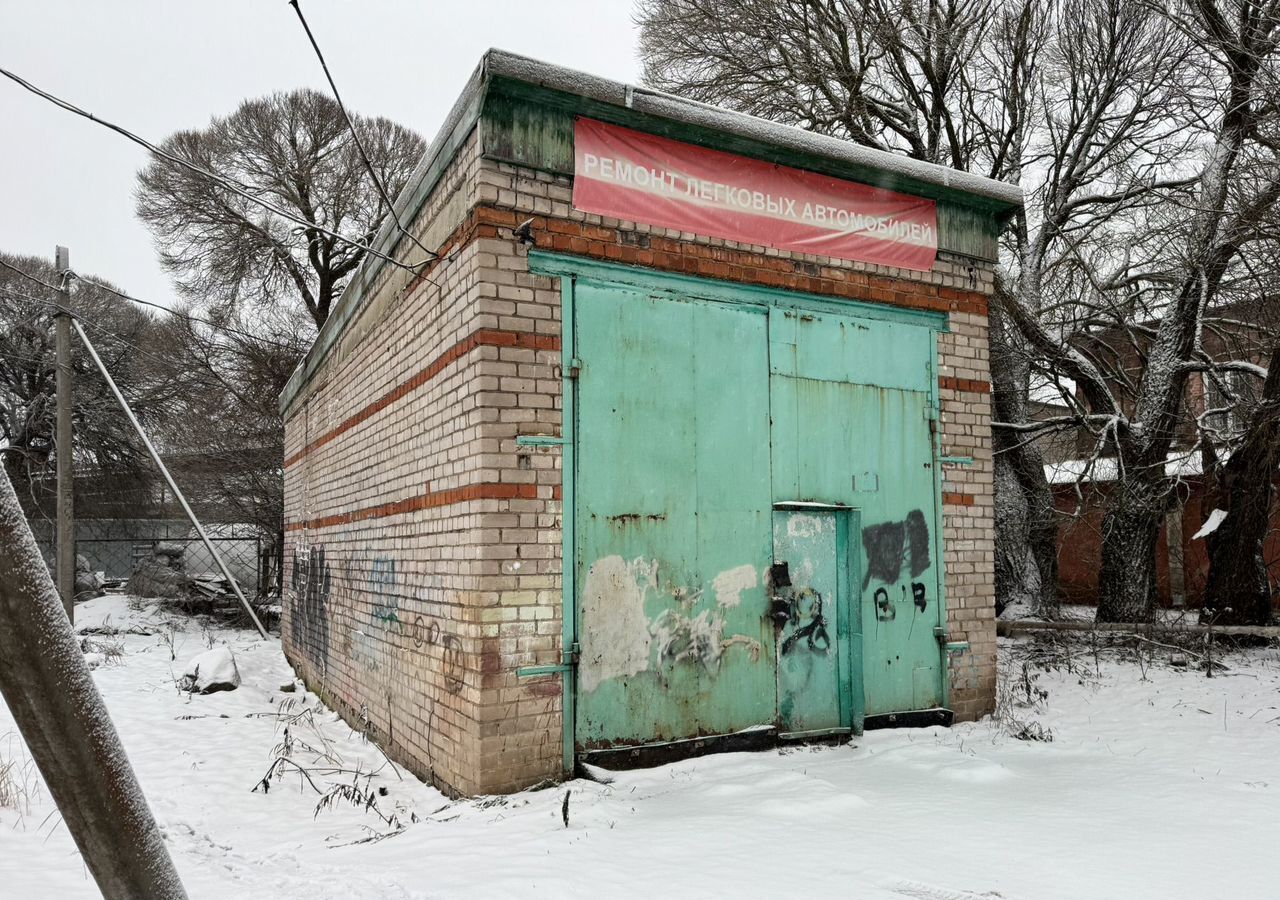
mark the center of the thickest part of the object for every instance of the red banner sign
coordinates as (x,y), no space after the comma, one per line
(643,178)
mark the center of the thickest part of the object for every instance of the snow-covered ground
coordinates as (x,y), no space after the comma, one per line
(1163,788)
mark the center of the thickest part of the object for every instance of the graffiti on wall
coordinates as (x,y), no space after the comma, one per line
(369,646)
(327,592)
(382,584)
(892,547)
(808,623)
(426,636)
(309,610)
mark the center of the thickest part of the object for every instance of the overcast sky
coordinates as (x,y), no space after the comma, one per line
(155,67)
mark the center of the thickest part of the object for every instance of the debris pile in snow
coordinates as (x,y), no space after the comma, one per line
(163,575)
(88,583)
(213,670)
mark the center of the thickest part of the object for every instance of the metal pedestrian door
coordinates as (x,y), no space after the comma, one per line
(753,516)
(810,582)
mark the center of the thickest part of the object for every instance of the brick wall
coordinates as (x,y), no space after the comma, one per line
(392,497)
(427,542)
(968,502)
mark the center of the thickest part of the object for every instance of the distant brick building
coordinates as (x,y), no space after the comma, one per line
(1082,474)
(592,481)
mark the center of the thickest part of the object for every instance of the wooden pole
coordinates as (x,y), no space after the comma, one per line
(48,688)
(66,552)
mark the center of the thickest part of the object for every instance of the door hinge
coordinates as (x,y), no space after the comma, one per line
(574,369)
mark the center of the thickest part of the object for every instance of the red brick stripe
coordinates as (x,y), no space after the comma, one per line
(745,266)
(951,498)
(493,490)
(948,383)
(484,337)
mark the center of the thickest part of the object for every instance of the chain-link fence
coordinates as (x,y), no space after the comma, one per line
(117,548)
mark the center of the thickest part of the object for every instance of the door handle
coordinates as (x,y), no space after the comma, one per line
(780,610)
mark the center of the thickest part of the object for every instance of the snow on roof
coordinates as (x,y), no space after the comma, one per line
(691,112)
(1103,468)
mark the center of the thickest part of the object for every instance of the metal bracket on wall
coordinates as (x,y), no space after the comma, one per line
(956,460)
(539,440)
(531,671)
(569,661)
(951,648)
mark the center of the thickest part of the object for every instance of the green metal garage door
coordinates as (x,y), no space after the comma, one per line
(851,409)
(754,517)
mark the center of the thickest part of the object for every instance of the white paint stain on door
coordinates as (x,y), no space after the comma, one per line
(730,584)
(615,636)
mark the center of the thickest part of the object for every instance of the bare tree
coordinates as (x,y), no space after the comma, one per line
(229,448)
(887,75)
(1238,589)
(296,150)
(1230,195)
(1076,100)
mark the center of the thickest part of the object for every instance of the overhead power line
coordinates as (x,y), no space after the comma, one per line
(27,297)
(234,186)
(119,293)
(351,126)
(184,315)
(29,276)
(114,335)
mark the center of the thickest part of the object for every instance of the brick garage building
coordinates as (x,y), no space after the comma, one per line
(580,483)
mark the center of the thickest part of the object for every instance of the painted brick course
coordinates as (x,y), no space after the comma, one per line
(427,544)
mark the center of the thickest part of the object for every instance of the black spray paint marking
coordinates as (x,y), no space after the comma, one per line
(890,545)
(452,665)
(309,623)
(426,632)
(918,595)
(814,629)
(885,610)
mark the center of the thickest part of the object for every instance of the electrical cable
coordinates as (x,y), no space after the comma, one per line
(351,126)
(119,293)
(102,329)
(29,276)
(235,187)
(184,315)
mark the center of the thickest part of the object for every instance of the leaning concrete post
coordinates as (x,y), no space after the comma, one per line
(47,685)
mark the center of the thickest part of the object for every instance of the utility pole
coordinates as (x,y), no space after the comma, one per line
(60,714)
(66,555)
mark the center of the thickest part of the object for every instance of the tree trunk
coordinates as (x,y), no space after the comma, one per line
(1238,589)
(48,688)
(1026,525)
(1043,529)
(1127,580)
(1014,582)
